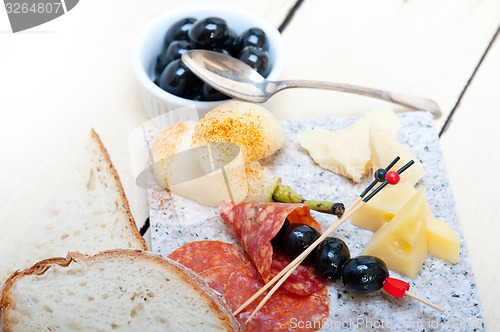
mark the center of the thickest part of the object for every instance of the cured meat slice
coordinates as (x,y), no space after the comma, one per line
(303,281)
(256,224)
(202,255)
(282,312)
(217,277)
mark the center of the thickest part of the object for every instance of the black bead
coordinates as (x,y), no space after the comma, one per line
(380,174)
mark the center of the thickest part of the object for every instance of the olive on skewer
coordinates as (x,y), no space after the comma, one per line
(362,274)
(331,256)
(328,257)
(297,238)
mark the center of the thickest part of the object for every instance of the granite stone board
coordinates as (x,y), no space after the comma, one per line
(176,221)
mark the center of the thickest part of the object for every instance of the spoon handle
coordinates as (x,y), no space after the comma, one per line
(417,103)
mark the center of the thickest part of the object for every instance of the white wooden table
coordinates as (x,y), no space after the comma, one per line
(60,79)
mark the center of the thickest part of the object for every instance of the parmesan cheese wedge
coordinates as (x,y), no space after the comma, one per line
(347,151)
(402,242)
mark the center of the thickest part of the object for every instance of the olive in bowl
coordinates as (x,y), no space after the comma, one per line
(157,37)
(213,34)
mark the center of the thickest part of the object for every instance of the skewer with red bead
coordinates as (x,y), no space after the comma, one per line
(366,274)
(400,288)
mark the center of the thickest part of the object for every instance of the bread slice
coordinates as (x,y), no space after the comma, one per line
(89,213)
(122,290)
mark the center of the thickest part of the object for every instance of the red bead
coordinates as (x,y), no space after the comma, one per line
(396,287)
(392,177)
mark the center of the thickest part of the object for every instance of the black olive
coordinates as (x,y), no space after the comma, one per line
(230,43)
(178,31)
(221,50)
(209,93)
(176,78)
(253,37)
(364,274)
(173,52)
(194,89)
(255,58)
(297,238)
(278,239)
(209,33)
(331,254)
(196,97)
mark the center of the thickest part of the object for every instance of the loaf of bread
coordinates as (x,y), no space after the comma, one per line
(89,213)
(122,290)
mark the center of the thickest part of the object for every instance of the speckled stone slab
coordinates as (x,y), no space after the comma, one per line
(176,221)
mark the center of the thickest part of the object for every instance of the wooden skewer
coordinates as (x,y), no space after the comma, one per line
(358,203)
(293,265)
(272,291)
(425,301)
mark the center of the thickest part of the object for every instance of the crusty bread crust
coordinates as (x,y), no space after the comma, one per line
(132,226)
(213,300)
(39,268)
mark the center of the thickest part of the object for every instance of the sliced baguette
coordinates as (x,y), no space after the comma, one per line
(122,290)
(89,213)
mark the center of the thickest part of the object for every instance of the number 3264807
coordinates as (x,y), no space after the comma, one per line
(35,8)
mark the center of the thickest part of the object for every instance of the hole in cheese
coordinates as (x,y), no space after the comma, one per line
(388,216)
(401,246)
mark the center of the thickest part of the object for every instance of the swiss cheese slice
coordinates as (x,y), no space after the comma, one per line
(346,152)
(442,241)
(402,242)
(384,147)
(382,208)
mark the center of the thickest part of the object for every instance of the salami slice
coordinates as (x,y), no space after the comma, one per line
(282,312)
(256,224)
(217,277)
(202,255)
(303,281)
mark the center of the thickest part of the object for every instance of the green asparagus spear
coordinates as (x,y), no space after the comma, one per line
(285,194)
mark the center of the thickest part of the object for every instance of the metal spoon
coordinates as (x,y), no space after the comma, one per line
(235,78)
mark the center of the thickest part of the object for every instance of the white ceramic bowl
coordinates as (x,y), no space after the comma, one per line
(150,42)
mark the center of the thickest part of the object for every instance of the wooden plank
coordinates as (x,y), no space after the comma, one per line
(427,48)
(65,77)
(472,157)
